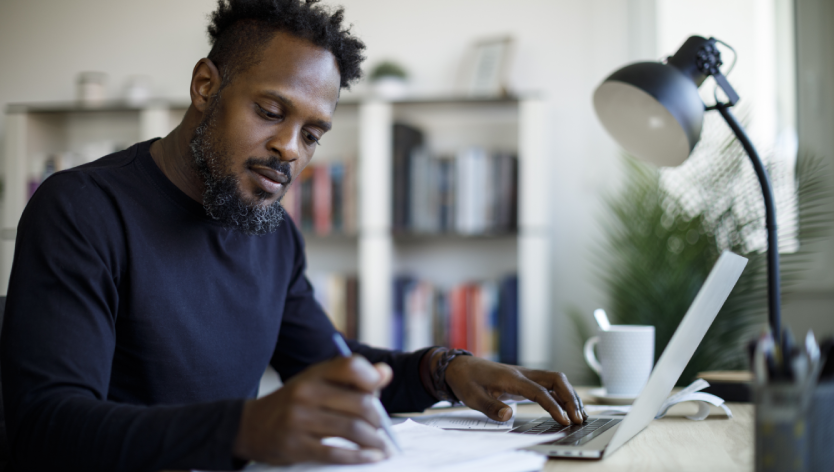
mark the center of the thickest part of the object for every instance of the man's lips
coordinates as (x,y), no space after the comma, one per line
(270,179)
(270,174)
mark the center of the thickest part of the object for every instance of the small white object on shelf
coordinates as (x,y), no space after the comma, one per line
(92,88)
(138,89)
(390,88)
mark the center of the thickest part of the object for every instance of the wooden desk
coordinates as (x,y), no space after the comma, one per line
(673,443)
(676,443)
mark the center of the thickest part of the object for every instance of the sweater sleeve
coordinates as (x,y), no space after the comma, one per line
(57,346)
(306,338)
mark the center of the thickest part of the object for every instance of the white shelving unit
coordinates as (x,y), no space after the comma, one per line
(361,132)
(35,132)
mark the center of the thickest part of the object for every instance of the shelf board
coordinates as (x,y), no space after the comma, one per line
(121,105)
(430,237)
(332,237)
(439,100)
(414,237)
(77,107)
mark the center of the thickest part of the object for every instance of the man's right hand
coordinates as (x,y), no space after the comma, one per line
(334,398)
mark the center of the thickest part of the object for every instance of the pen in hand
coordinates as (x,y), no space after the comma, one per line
(344,350)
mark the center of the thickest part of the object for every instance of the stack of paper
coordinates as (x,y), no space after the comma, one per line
(428,448)
(467,419)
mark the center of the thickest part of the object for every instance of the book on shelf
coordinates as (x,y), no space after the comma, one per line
(338,295)
(406,139)
(481,317)
(323,200)
(473,192)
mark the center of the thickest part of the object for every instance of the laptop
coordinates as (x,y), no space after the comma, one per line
(600,436)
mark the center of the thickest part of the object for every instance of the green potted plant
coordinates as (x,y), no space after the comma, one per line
(668,227)
(389,80)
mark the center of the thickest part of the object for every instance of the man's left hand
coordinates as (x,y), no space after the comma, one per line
(481,384)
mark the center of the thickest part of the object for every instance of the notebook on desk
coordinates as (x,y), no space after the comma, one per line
(600,436)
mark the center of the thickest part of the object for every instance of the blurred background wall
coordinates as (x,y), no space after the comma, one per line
(564,48)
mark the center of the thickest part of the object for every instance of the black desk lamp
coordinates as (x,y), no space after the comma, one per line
(653,110)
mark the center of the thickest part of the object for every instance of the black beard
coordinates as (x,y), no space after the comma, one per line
(222,198)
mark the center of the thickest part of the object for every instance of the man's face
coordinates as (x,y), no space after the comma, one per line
(262,130)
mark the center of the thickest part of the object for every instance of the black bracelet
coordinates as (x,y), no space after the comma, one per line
(439,377)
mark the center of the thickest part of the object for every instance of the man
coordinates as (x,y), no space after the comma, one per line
(151,288)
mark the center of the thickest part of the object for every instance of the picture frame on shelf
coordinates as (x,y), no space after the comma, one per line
(486,66)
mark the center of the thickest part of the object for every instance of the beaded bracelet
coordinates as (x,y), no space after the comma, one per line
(439,377)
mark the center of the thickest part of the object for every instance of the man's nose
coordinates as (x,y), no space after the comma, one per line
(285,143)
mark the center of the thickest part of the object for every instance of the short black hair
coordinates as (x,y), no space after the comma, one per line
(239,29)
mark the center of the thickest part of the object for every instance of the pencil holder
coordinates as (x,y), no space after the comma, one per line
(821,428)
(782,439)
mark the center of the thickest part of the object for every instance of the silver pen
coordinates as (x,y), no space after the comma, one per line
(344,350)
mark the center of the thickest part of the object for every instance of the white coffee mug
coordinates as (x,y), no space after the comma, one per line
(626,357)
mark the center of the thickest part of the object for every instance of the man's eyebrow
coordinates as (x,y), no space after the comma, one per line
(325,125)
(279,97)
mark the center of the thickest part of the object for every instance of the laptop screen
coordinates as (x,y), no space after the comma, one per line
(686,339)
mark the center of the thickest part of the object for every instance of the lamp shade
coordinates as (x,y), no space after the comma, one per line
(652,110)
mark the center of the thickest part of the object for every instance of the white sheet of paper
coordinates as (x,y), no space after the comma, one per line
(608,409)
(467,420)
(509,399)
(438,450)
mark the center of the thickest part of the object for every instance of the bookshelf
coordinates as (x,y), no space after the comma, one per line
(515,125)
(362,134)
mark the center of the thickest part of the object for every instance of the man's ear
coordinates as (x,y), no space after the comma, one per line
(205,83)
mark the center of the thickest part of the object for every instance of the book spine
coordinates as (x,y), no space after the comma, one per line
(322,200)
(336,300)
(419,301)
(489,297)
(457,319)
(292,203)
(351,307)
(337,174)
(462,193)
(508,321)
(406,139)
(349,198)
(441,319)
(401,288)
(305,181)
(475,320)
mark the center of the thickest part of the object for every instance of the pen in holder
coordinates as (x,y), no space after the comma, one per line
(782,440)
(794,398)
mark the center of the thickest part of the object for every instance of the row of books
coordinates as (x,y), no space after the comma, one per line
(481,317)
(323,200)
(473,192)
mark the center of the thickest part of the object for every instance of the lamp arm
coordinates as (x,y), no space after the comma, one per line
(773,289)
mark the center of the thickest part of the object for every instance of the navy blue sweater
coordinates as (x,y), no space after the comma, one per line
(136,326)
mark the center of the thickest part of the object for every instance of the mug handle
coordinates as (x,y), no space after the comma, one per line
(590,358)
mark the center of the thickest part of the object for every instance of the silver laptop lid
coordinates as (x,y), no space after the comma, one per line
(686,339)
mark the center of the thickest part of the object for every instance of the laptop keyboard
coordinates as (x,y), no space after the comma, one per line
(576,434)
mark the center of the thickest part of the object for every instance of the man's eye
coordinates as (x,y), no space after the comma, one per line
(313,139)
(270,115)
